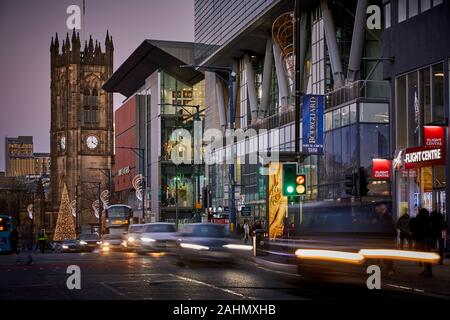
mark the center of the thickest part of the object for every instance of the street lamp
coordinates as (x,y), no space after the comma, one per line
(138,151)
(231,79)
(109,176)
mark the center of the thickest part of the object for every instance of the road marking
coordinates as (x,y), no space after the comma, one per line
(112,289)
(212,286)
(419,291)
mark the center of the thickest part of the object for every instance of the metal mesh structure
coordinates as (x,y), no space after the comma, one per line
(283,35)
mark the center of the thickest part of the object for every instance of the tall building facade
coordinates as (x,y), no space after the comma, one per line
(338,60)
(82,128)
(166,100)
(420,92)
(19,159)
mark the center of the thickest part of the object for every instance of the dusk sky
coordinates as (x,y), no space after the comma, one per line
(26,28)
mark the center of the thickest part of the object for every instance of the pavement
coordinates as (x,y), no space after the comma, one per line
(156,276)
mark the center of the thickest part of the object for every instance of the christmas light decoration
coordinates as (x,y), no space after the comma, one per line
(65,226)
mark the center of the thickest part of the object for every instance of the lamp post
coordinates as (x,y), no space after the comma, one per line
(138,151)
(108,175)
(231,79)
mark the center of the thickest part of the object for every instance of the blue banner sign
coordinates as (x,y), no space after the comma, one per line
(312,137)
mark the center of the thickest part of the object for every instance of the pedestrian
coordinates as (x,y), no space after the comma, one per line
(246,231)
(421,229)
(42,240)
(386,226)
(405,233)
(438,228)
(14,239)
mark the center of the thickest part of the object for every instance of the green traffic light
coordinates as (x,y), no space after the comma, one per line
(290,189)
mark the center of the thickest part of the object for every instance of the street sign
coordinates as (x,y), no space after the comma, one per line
(246,211)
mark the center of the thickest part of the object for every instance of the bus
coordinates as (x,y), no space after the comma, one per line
(6,226)
(117,219)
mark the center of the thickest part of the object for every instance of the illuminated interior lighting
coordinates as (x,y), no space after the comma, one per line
(400,255)
(329,255)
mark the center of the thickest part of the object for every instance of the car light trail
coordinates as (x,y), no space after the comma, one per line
(239,247)
(193,246)
(400,255)
(329,255)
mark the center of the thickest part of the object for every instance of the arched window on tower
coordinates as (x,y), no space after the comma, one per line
(90,106)
(94,105)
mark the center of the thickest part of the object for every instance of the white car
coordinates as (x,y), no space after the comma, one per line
(134,235)
(157,236)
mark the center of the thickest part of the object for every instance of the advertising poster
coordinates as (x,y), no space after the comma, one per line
(277,202)
(312,121)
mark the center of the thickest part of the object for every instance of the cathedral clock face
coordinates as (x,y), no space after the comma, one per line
(62,143)
(92,142)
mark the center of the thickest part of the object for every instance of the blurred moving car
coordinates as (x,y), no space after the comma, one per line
(113,242)
(208,241)
(157,236)
(134,235)
(89,241)
(71,245)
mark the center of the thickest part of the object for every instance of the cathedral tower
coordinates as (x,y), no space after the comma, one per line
(81,133)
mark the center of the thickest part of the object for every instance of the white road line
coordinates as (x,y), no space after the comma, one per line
(212,286)
(112,289)
(419,291)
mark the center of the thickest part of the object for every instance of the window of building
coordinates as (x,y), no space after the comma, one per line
(438,115)
(425,94)
(90,106)
(387,15)
(425,5)
(401,10)
(413,109)
(374,112)
(436,2)
(345,114)
(336,118)
(413,8)
(401,115)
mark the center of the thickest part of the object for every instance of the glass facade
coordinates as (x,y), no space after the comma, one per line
(419,101)
(178,106)
(217,21)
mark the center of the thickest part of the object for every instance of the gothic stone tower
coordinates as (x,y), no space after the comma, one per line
(81,133)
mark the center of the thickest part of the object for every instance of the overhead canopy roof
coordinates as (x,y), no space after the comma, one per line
(150,56)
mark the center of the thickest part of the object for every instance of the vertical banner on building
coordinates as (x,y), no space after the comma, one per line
(312,113)
(277,202)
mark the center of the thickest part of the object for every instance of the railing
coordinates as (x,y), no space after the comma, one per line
(359,89)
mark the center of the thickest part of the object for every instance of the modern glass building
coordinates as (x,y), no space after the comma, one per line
(420,99)
(340,59)
(169,100)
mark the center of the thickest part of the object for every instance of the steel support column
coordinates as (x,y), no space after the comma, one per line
(333,50)
(357,46)
(267,78)
(251,88)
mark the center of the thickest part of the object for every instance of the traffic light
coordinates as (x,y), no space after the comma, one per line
(300,187)
(350,184)
(289,177)
(363,182)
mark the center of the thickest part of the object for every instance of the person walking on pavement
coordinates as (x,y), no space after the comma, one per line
(405,233)
(42,240)
(14,239)
(422,237)
(246,231)
(438,227)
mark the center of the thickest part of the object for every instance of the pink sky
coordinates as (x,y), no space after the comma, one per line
(26,28)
